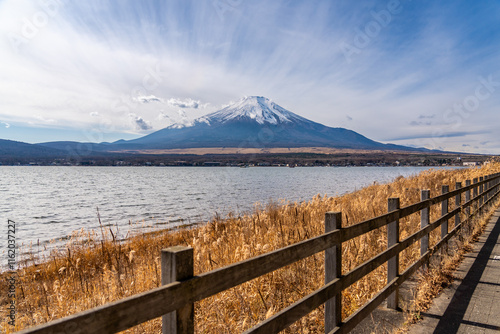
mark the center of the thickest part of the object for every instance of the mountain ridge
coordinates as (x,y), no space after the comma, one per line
(255,121)
(15,149)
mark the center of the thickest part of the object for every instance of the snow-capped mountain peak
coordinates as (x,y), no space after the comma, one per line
(257,108)
(254,122)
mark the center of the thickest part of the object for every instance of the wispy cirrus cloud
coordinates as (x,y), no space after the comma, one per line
(44,120)
(433,135)
(162,115)
(419,123)
(148,99)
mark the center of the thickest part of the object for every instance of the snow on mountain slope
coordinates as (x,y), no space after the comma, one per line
(257,108)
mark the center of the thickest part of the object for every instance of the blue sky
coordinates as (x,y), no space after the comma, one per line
(419,73)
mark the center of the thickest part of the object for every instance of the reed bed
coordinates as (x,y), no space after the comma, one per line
(95,268)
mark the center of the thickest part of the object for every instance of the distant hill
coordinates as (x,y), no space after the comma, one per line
(77,147)
(16,149)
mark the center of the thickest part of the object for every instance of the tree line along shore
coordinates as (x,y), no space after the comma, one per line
(265,157)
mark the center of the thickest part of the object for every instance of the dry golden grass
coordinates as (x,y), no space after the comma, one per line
(95,269)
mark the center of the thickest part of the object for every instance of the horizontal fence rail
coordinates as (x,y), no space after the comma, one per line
(174,300)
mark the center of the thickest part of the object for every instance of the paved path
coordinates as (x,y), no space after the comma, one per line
(472,303)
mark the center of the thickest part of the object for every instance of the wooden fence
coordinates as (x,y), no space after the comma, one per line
(174,300)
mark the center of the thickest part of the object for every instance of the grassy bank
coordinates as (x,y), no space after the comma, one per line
(96,269)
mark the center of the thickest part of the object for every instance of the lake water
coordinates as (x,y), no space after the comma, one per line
(50,202)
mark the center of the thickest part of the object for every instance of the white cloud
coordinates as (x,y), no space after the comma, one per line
(140,123)
(188,103)
(45,120)
(162,115)
(148,99)
(7,125)
(94,114)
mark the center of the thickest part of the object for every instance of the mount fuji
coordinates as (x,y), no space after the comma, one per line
(253,122)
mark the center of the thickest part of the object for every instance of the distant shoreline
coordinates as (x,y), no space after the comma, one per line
(278,157)
(239,150)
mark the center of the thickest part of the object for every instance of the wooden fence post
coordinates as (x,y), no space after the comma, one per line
(474,193)
(458,202)
(424,222)
(177,265)
(487,188)
(393,263)
(467,210)
(467,197)
(333,270)
(444,211)
(481,195)
(490,187)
